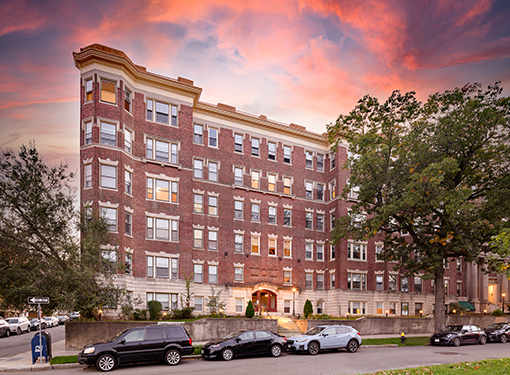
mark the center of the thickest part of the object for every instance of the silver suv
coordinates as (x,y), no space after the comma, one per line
(325,337)
(19,324)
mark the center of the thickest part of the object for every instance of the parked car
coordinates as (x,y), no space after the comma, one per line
(19,325)
(74,315)
(34,324)
(459,334)
(5,329)
(498,332)
(62,319)
(141,344)
(326,337)
(245,343)
(51,321)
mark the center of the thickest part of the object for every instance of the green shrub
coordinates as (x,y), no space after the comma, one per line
(498,312)
(184,313)
(457,307)
(155,308)
(250,311)
(140,314)
(307,309)
(321,316)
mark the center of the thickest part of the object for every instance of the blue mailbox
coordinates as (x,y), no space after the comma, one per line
(41,347)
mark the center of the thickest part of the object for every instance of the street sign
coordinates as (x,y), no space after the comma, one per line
(39,300)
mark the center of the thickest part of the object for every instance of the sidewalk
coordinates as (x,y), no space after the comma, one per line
(23,361)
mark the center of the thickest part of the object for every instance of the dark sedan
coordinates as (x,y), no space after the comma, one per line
(498,332)
(459,334)
(245,343)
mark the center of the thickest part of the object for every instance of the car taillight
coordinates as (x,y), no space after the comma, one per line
(359,334)
(285,338)
(190,341)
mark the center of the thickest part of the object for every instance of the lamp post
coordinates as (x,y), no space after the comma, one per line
(293,301)
(503,306)
(387,313)
(100,313)
(421,313)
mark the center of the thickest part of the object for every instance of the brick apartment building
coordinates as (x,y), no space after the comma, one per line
(243,203)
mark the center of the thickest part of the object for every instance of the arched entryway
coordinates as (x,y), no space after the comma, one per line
(266,299)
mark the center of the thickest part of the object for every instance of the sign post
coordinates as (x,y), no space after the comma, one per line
(39,301)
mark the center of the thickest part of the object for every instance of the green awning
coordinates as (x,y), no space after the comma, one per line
(467,305)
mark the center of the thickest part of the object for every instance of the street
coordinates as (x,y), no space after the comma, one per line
(10,346)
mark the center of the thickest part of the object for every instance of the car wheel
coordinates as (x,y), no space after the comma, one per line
(482,340)
(313,348)
(456,341)
(28,329)
(276,350)
(106,362)
(503,338)
(227,354)
(172,357)
(352,346)
(18,331)
(7,333)
(44,326)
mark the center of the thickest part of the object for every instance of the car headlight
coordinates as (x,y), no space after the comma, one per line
(214,346)
(89,350)
(301,340)
(449,336)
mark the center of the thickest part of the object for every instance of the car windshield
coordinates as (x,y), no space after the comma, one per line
(314,331)
(496,326)
(33,320)
(13,320)
(453,329)
(47,318)
(231,335)
(118,335)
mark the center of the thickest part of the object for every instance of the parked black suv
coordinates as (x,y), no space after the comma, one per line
(141,344)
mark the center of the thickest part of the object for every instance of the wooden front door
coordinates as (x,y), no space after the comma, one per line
(265,299)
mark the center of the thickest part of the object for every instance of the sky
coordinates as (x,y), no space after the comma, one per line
(295,61)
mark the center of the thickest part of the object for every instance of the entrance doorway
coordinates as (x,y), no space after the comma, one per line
(265,299)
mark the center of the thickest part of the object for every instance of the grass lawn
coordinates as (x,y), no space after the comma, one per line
(410,341)
(485,367)
(64,359)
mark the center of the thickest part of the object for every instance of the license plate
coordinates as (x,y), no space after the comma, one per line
(202,351)
(436,340)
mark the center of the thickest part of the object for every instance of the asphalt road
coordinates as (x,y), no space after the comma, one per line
(14,344)
(366,360)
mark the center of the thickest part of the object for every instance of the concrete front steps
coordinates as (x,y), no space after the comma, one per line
(287,327)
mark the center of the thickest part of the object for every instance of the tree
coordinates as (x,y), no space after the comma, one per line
(438,171)
(214,303)
(40,250)
(250,310)
(307,309)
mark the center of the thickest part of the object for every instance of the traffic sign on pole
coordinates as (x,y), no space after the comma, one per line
(39,300)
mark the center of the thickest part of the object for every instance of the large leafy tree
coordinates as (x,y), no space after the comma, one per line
(40,249)
(439,171)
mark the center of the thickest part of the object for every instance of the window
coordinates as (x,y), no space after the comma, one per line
(163,151)
(447,287)
(238,176)
(353,193)
(286,154)
(108,91)
(127,100)
(238,210)
(320,281)
(162,112)
(309,251)
(150,266)
(418,284)
(88,132)
(198,166)
(271,150)
(271,215)
(173,299)
(309,190)
(198,238)
(308,281)
(332,189)
(356,251)
(379,282)
(271,182)
(198,203)
(255,179)
(255,244)
(239,274)
(199,304)
(162,267)
(404,308)
(88,175)
(162,190)
(378,251)
(238,243)
(239,305)
(287,183)
(162,229)
(356,281)
(286,306)
(198,134)
(309,220)
(332,278)
(333,252)
(89,90)
(320,252)
(108,134)
(418,309)
(110,215)
(392,282)
(357,308)
(238,140)
(287,248)
(213,274)
(459,289)
(272,246)
(198,270)
(320,192)
(459,264)
(320,162)
(213,206)
(287,277)
(175,268)
(379,308)
(393,308)
(108,176)
(128,223)
(332,159)
(255,147)
(309,159)
(404,283)
(332,219)
(213,137)
(213,240)
(128,136)
(320,222)
(128,266)
(287,217)
(213,171)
